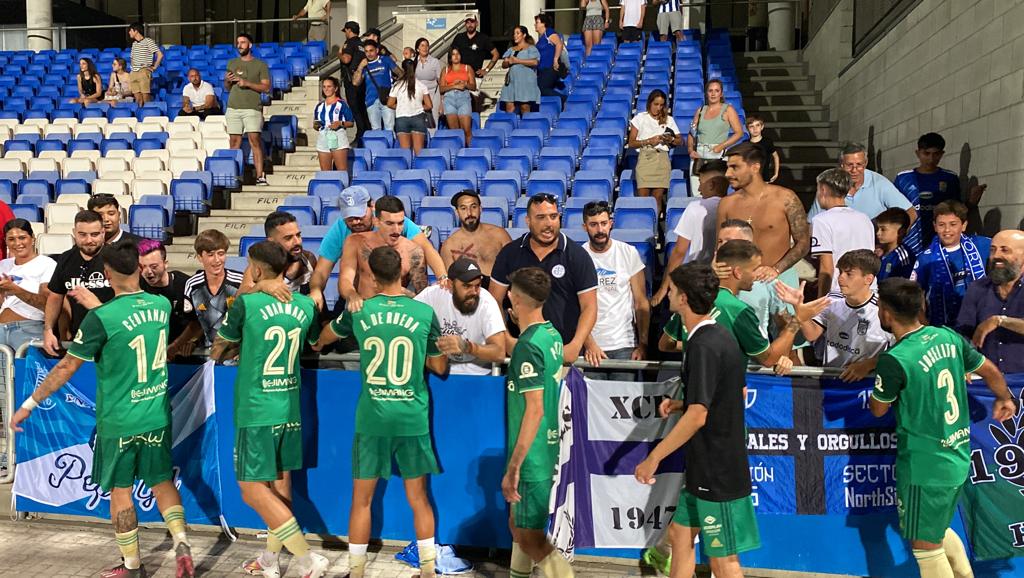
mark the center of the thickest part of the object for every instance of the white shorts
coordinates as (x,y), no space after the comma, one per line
(322,144)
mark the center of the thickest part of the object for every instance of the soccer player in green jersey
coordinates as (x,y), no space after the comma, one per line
(924,375)
(127,339)
(535,372)
(268,425)
(397,338)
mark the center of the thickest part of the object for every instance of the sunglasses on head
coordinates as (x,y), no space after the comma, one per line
(543,198)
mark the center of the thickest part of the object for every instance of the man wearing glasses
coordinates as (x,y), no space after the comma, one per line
(870,192)
(572,305)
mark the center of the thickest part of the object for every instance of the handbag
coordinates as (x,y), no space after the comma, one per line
(383,98)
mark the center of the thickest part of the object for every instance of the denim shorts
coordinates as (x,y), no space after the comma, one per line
(410,124)
(17,333)
(458,103)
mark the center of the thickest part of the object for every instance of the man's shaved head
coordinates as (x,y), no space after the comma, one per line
(1006,259)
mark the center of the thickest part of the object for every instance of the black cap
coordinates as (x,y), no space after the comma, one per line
(463,193)
(374,31)
(465,270)
(352,25)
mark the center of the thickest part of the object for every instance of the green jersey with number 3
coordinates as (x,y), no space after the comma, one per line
(536,364)
(924,374)
(272,335)
(127,338)
(395,335)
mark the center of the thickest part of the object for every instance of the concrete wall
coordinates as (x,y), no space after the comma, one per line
(950,66)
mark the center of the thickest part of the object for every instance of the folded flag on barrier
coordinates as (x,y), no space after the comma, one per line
(55,451)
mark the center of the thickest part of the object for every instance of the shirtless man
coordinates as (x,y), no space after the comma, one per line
(356,280)
(775,213)
(474,240)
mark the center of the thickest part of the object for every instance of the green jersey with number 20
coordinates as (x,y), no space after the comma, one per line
(536,364)
(272,334)
(924,375)
(127,338)
(395,335)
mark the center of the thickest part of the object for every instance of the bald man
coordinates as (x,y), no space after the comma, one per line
(992,314)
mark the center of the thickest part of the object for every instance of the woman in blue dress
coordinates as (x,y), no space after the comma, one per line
(521,92)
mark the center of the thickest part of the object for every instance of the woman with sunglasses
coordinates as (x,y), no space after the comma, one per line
(654,132)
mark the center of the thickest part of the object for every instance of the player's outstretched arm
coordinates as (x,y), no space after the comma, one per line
(1004,407)
(56,379)
(347,278)
(327,337)
(693,419)
(222,349)
(438,364)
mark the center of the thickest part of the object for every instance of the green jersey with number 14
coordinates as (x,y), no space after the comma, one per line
(272,334)
(127,338)
(395,335)
(924,375)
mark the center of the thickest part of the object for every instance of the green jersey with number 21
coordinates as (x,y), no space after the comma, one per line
(127,338)
(924,374)
(395,335)
(272,334)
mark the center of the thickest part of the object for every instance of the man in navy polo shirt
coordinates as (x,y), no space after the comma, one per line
(572,305)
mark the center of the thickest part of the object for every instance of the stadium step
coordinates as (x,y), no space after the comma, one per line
(777,68)
(809,151)
(253,201)
(755,84)
(821,130)
(767,56)
(231,222)
(303,159)
(755,100)
(793,113)
(289,177)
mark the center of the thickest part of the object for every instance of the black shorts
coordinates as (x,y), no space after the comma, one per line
(631,34)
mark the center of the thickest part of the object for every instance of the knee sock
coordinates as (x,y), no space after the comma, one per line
(555,566)
(357,560)
(269,556)
(521,565)
(128,544)
(290,535)
(957,555)
(174,517)
(665,545)
(933,563)
(427,555)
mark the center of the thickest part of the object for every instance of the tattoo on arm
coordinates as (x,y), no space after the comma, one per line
(125,520)
(799,230)
(417,270)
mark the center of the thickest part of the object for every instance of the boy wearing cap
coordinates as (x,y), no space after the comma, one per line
(475,240)
(472,330)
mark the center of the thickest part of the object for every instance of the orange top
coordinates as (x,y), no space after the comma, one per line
(451,76)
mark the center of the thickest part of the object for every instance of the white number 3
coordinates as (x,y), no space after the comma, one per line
(946,380)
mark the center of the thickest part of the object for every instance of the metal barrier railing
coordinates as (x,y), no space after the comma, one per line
(6,412)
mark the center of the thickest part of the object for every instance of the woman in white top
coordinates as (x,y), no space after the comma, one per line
(21,314)
(331,118)
(654,132)
(428,71)
(120,85)
(411,100)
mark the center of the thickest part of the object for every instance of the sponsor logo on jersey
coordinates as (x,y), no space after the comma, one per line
(558,271)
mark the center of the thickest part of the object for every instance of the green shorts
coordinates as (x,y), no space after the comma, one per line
(726,528)
(926,511)
(372,456)
(118,461)
(532,511)
(263,452)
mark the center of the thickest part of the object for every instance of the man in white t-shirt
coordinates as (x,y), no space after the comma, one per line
(198,97)
(851,336)
(837,229)
(623,310)
(320,13)
(631,19)
(472,328)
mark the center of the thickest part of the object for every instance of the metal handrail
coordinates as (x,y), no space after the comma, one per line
(441,46)
(8,355)
(412,8)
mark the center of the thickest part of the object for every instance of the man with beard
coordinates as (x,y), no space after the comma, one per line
(356,280)
(992,314)
(472,330)
(476,48)
(357,217)
(283,229)
(156,279)
(247,79)
(775,213)
(107,207)
(479,242)
(572,305)
(78,274)
(623,310)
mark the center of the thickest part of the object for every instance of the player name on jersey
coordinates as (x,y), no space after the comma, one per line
(133,321)
(389,318)
(937,353)
(278,308)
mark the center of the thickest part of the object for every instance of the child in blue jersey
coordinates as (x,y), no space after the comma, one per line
(331,118)
(898,258)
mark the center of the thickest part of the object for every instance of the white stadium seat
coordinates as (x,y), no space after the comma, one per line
(74,163)
(55,155)
(79,199)
(92,155)
(180,164)
(60,213)
(148,187)
(53,244)
(146,164)
(109,164)
(34,165)
(11,164)
(109,187)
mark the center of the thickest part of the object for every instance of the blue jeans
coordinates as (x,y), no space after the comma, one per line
(614,374)
(17,333)
(381,117)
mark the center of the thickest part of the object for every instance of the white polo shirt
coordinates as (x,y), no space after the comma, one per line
(197,96)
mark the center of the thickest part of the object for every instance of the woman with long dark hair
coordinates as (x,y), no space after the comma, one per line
(654,132)
(521,93)
(21,274)
(428,71)
(331,118)
(90,85)
(457,83)
(411,101)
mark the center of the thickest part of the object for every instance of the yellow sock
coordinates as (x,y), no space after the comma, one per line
(521,565)
(174,517)
(555,566)
(428,555)
(957,555)
(273,544)
(357,560)
(128,544)
(933,563)
(290,535)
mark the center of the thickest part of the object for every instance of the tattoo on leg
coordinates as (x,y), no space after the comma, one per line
(125,520)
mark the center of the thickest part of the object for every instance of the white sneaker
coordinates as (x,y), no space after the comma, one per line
(317,566)
(255,567)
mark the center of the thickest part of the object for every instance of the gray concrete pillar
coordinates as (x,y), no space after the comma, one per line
(781,25)
(527,10)
(356,10)
(39,19)
(170,11)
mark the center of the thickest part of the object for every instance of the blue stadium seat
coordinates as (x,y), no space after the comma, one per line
(515,159)
(73,187)
(578,121)
(148,221)
(147,144)
(531,139)
(507,185)
(327,190)
(547,182)
(600,159)
(490,139)
(505,121)
(329,215)
(643,241)
(282,129)
(248,241)
(535,121)
(450,139)
(51,143)
(560,159)
(280,80)
(163,201)
(31,212)
(381,178)
(438,213)
(494,211)
(392,160)
(378,140)
(452,182)
(22,143)
(115,144)
(569,138)
(33,187)
(674,208)
(475,160)
(627,184)
(572,212)
(204,177)
(339,176)
(190,195)
(225,170)
(303,201)
(87,176)
(414,184)
(639,213)
(433,160)
(593,185)
(304,214)
(7,190)
(331,292)
(678,185)
(606,138)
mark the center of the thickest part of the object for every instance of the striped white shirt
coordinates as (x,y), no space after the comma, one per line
(669,6)
(328,114)
(143,52)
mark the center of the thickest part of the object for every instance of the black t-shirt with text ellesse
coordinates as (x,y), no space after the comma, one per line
(73,270)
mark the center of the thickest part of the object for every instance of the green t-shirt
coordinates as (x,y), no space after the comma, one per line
(272,335)
(536,363)
(254,70)
(127,338)
(924,373)
(395,335)
(733,314)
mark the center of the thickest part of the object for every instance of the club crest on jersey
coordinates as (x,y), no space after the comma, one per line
(862,326)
